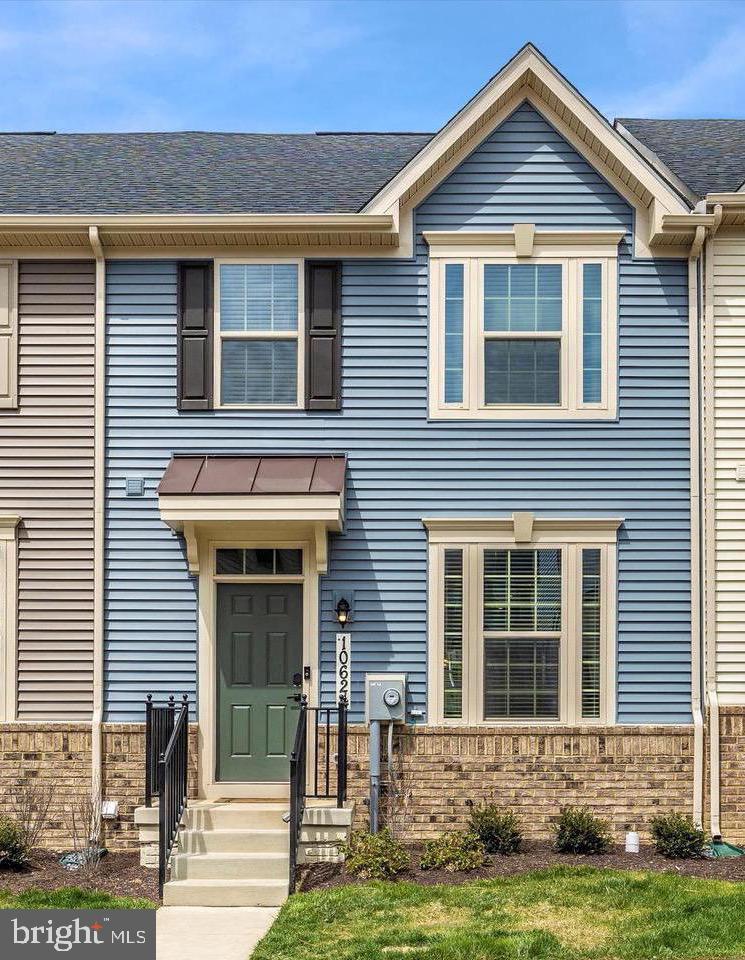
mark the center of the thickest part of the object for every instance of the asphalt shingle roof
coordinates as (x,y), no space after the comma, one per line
(707,155)
(195,173)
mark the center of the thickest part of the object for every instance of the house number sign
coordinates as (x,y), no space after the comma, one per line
(343,666)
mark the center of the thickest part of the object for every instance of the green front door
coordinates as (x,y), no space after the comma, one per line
(259,664)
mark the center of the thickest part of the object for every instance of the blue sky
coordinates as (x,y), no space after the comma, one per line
(360,65)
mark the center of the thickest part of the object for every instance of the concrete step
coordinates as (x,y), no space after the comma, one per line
(230,866)
(328,816)
(267,840)
(319,853)
(310,833)
(225,893)
(236,816)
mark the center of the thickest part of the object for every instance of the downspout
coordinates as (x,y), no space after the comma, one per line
(709,568)
(696,542)
(99,490)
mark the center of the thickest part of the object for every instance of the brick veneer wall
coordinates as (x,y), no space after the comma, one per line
(56,754)
(625,774)
(732,775)
(124,776)
(60,754)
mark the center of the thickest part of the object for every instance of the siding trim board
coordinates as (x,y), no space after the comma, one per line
(8,334)
(8,614)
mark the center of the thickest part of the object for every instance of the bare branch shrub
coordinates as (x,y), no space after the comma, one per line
(85,831)
(30,803)
(397,794)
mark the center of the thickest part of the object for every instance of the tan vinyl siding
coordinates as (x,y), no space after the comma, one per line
(46,477)
(728,293)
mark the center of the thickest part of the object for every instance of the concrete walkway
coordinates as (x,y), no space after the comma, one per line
(211,933)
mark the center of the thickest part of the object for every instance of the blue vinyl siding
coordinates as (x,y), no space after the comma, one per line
(403,467)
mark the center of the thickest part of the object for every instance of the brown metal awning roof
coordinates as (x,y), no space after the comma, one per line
(247,475)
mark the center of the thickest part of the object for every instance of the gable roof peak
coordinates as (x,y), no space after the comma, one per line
(530,76)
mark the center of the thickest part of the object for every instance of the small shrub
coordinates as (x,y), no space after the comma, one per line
(374,856)
(578,831)
(30,804)
(499,831)
(13,848)
(453,851)
(677,837)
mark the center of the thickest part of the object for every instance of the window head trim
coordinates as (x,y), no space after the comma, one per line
(545,243)
(297,335)
(522,528)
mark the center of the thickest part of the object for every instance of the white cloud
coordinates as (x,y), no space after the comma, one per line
(286,35)
(695,69)
(103,60)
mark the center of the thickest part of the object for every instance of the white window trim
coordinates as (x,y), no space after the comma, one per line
(298,335)
(570,536)
(8,334)
(572,251)
(211,538)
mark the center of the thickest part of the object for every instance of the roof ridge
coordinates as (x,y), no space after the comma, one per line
(213,133)
(684,119)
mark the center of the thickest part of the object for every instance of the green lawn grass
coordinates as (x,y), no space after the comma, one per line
(562,914)
(70,898)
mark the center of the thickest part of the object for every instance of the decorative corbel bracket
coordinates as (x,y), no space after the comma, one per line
(522,524)
(524,238)
(192,547)
(322,550)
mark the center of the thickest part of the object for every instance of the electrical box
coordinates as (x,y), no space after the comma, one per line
(385,697)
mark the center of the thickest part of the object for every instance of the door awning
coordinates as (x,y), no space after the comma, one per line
(200,489)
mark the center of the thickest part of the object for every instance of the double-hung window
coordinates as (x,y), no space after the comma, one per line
(521,632)
(522,337)
(258,360)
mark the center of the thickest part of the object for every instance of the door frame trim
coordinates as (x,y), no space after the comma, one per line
(210,538)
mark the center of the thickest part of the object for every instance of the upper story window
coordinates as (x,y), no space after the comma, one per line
(259,355)
(523,337)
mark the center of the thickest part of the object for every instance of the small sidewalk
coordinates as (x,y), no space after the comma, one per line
(211,933)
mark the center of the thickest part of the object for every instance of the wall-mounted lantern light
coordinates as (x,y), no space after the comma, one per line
(342,611)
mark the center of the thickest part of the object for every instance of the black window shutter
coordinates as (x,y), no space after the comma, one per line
(195,335)
(323,335)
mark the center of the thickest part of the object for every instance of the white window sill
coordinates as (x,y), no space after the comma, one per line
(522,413)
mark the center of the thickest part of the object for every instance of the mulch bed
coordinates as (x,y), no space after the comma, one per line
(535,856)
(119,874)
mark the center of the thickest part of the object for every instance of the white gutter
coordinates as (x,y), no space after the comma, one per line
(195,222)
(99,489)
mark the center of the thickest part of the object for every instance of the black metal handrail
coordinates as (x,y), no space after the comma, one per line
(318,731)
(172,788)
(159,720)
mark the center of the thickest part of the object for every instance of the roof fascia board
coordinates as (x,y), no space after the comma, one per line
(231,234)
(55,250)
(527,61)
(177,510)
(190,222)
(734,199)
